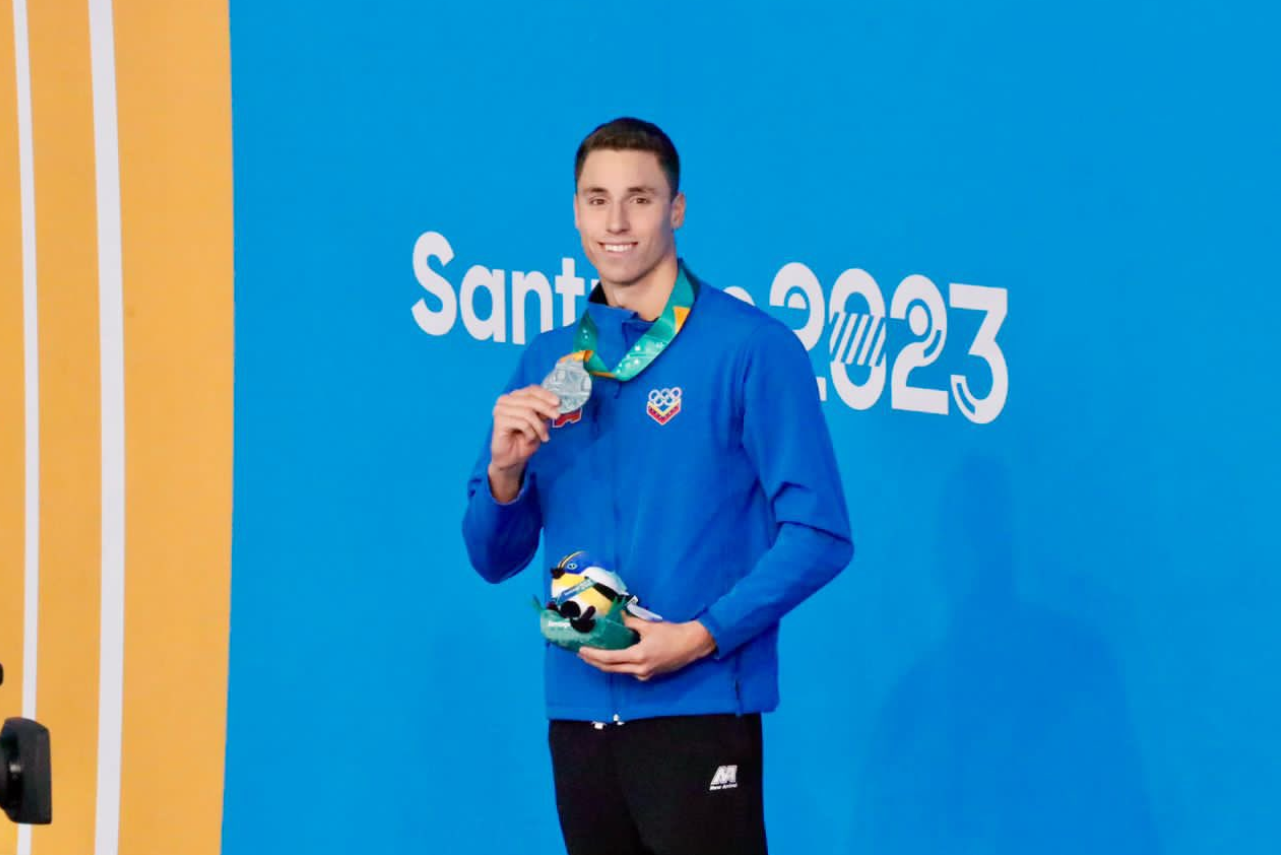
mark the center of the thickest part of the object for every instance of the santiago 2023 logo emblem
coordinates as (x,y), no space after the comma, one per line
(866,349)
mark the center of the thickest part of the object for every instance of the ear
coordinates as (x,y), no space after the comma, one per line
(576,210)
(678,211)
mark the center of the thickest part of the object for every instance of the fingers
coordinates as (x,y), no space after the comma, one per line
(526,411)
(663,647)
(510,417)
(629,660)
(539,398)
(599,656)
(640,670)
(533,398)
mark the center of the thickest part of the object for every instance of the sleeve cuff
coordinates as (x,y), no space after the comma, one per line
(488,492)
(724,645)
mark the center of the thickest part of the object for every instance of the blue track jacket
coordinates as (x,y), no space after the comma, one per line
(730,513)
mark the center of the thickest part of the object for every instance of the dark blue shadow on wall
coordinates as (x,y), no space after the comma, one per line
(1012,736)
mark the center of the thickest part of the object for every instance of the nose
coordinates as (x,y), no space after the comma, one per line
(617,218)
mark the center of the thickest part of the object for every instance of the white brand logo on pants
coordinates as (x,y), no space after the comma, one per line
(726,778)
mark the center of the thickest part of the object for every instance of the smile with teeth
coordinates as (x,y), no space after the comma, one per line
(618,247)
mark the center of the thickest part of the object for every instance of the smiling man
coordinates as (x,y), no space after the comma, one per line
(695,462)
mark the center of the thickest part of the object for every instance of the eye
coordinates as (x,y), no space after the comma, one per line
(641,200)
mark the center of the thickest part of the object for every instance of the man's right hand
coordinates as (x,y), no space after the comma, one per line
(521,420)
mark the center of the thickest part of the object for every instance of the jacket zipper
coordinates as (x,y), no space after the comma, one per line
(738,689)
(613,459)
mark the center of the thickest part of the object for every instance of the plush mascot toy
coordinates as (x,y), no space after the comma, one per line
(587,606)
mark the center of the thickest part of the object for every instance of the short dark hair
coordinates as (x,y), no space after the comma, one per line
(628,134)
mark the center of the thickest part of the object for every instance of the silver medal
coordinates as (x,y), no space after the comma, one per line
(570,382)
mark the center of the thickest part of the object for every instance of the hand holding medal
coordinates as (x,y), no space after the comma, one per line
(520,428)
(521,417)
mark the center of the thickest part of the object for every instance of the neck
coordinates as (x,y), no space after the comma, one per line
(648,295)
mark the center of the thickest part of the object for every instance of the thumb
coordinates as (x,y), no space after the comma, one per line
(633,622)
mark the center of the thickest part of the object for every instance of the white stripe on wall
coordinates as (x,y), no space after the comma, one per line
(31,379)
(111,343)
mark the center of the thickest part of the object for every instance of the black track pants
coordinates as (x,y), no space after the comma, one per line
(687,785)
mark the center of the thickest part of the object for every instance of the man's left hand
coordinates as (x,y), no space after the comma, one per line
(663,647)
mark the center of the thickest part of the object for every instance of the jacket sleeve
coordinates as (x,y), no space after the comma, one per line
(786,437)
(501,537)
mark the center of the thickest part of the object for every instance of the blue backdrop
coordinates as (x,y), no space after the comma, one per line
(1059,632)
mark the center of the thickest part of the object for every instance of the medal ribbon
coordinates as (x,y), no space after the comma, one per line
(647,347)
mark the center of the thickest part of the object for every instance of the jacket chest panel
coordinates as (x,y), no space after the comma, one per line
(674,415)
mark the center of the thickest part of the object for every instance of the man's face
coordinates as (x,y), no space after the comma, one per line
(626,215)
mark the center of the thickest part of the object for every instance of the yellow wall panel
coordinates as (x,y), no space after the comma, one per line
(70,452)
(173,90)
(174,113)
(12,437)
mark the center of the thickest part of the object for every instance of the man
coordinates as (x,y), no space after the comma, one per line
(700,470)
